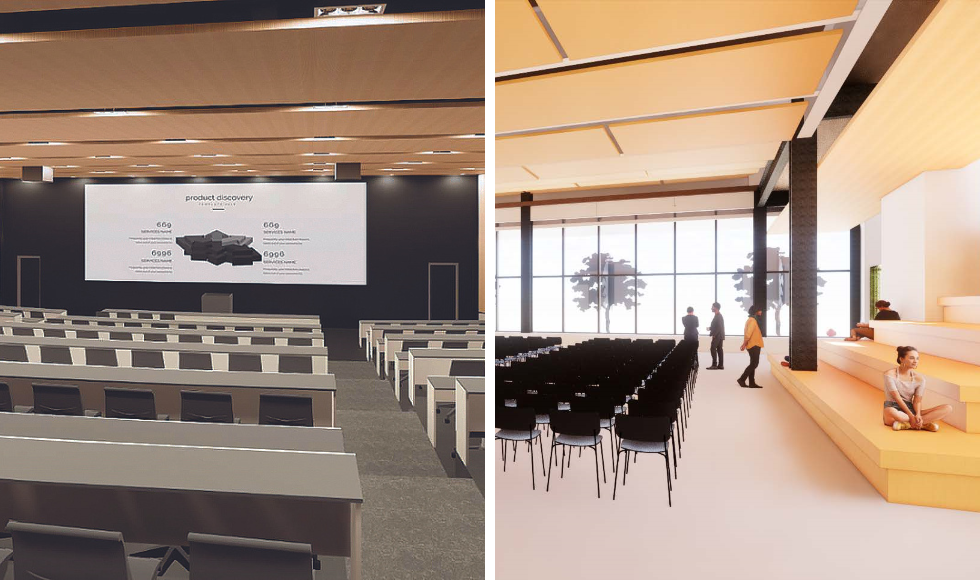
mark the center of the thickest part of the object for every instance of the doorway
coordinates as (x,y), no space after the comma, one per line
(443,291)
(29,281)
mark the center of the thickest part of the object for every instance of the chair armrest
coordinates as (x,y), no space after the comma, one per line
(91,413)
(23,408)
(163,417)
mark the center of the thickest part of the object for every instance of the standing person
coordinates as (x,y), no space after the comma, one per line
(717,332)
(753,342)
(690,325)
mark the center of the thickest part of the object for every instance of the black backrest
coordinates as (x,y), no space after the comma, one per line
(205,407)
(130,404)
(57,400)
(466,368)
(6,406)
(285,410)
(640,428)
(515,418)
(575,423)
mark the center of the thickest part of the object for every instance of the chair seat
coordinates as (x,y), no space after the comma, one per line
(578,440)
(643,446)
(514,435)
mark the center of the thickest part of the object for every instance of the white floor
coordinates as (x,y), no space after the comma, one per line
(762,493)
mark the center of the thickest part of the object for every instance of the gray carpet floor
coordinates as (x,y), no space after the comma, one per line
(418,523)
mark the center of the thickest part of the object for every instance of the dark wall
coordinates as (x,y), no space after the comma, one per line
(411,221)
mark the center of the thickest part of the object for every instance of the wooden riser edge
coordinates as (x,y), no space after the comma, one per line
(896,486)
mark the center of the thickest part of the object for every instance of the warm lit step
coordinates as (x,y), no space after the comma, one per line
(964,309)
(953,340)
(920,468)
(947,381)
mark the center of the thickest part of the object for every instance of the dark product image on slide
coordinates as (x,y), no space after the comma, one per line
(218,248)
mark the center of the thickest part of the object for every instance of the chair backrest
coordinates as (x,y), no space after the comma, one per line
(466,368)
(6,406)
(580,423)
(231,558)
(286,410)
(60,553)
(407,344)
(203,407)
(516,418)
(57,400)
(130,404)
(640,428)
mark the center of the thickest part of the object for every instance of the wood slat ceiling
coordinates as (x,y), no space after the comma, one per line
(924,115)
(761,71)
(592,28)
(39,5)
(411,83)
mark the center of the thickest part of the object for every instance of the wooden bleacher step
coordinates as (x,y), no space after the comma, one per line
(952,340)
(947,381)
(919,468)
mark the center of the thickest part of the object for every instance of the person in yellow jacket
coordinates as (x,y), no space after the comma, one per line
(753,342)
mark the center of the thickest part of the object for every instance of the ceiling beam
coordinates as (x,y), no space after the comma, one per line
(773,170)
(626,196)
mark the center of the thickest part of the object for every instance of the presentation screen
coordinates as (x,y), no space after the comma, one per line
(264,233)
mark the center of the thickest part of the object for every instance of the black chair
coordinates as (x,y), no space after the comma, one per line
(203,407)
(232,558)
(58,400)
(6,406)
(643,435)
(577,429)
(131,404)
(517,424)
(291,410)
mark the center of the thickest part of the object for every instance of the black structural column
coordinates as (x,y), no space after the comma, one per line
(759,255)
(855,275)
(803,254)
(527,288)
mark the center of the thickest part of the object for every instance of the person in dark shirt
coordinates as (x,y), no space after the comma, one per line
(690,325)
(717,332)
(864,329)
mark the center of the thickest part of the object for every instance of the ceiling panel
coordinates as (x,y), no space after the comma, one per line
(591,28)
(521,40)
(39,5)
(439,56)
(924,115)
(554,147)
(730,128)
(747,73)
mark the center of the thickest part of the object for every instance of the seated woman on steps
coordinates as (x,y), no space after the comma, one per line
(903,396)
(864,329)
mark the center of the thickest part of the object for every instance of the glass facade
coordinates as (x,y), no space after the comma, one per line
(640,277)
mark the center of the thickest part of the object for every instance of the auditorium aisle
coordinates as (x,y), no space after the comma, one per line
(415,517)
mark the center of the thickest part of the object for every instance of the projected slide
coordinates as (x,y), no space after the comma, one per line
(266,233)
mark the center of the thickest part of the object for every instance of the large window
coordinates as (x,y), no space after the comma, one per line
(640,277)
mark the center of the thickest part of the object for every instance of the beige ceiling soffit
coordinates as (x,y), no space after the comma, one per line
(625,197)
(598,30)
(250,26)
(759,72)
(554,147)
(654,182)
(521,39)
(736,127)
(649,186)
(924,115)
(852,44)
(45,5)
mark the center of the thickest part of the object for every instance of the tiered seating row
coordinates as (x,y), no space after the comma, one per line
(511,346)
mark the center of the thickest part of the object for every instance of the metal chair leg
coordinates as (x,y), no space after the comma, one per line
(531,450)
(603,452)
(541,448)
(598,489)
(552,452)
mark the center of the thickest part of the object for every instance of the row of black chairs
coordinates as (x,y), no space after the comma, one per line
(195,406)
(600,381)
(509,346)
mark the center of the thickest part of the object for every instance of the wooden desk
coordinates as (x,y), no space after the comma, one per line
(441,389)
(283,320)
(395,342)
(425,362)
(470,418)
(157,494)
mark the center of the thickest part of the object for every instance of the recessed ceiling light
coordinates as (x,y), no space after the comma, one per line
(320,163)
(472,169)
(228,164)
(12,158)
(471,136)
(439,152)
(146,165)
(120,113)
(33,143)
(395,169)
(320,154)
(107,157)
(353,10)
(323,139)
(65,166)
(413,163)
(103,172)
(211,155)
(318,170)
(171,171)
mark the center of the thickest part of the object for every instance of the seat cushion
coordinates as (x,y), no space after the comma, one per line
(578,440)
(643,446)
(514,435)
